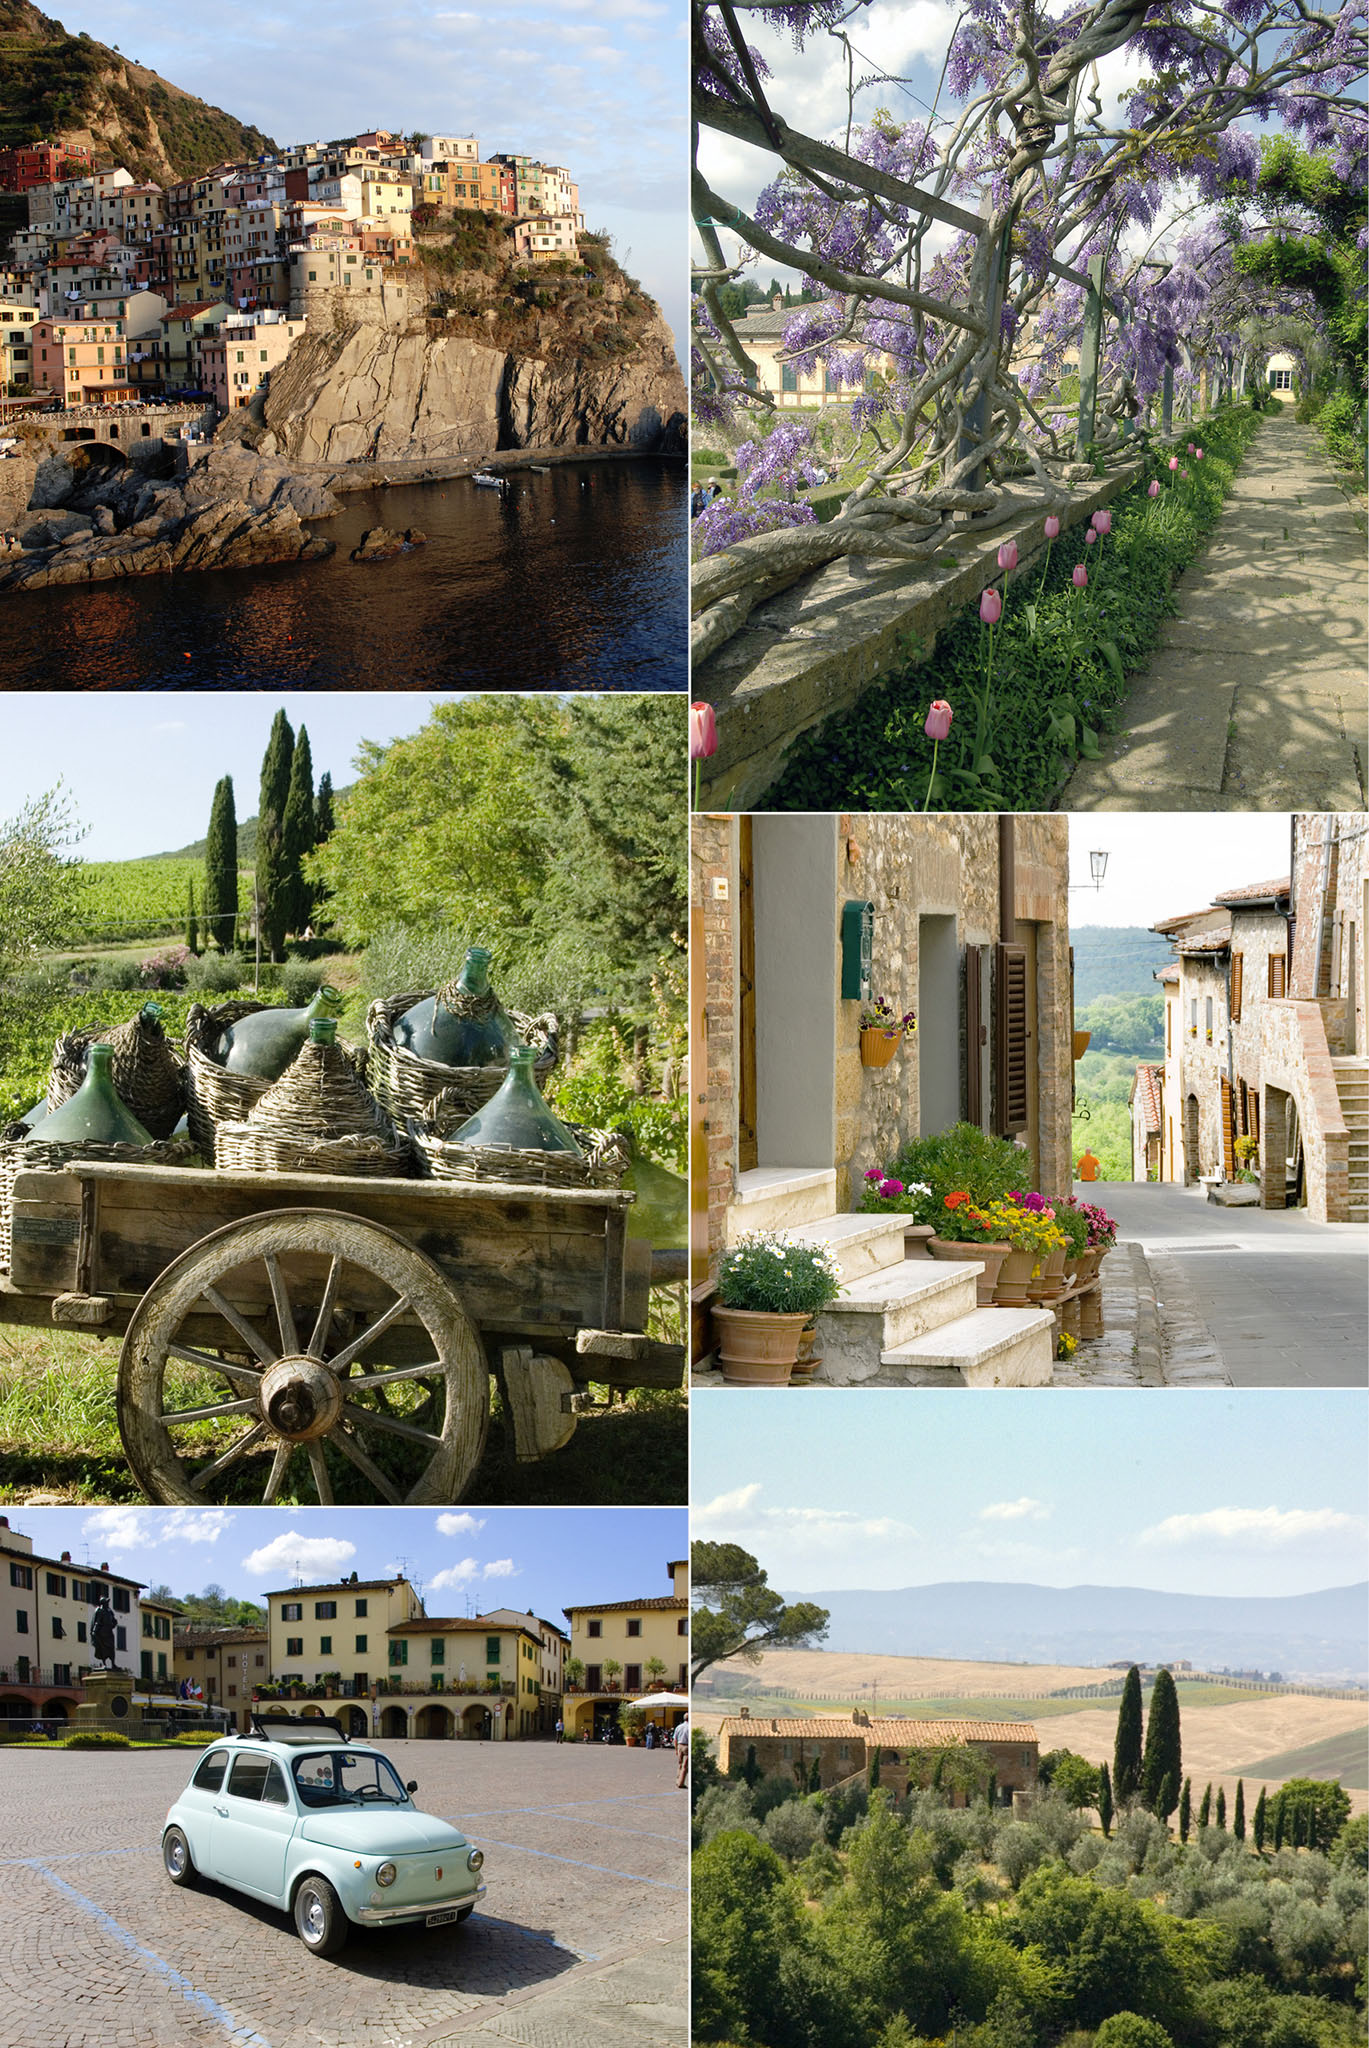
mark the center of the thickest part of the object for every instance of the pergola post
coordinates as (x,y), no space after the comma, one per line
(975,420)
(1167,402)
(1090,349)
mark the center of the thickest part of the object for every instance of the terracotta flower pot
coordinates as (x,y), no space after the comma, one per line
(916,1238)
(1049,1283)
(805,1365)
(1013,1276)
(757,1349)
(877,1048)
(990,1256)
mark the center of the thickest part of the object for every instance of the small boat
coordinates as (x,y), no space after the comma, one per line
(489,481)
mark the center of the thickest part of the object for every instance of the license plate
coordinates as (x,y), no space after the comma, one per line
(441,1919)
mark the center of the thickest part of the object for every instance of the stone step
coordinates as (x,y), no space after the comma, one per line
(992,1347)
(781,1198)
(886,1309)
(863,1244)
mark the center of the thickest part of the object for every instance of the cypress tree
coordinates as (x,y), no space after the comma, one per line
(192,929)
(1205,1810)
(874,1768)
(297,832)
(221,870)
(992,1790)
(815,1775)
(1162,1757)
(1186,1809)
(1169,1797)
(323,809)
(274,890)
(1221,1806)
(1261,1822)
(1238,1817)
(1278,1823)
(1105,1800)
(1126,1753)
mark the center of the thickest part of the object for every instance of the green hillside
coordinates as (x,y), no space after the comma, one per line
(1116,960)
(1342,1757)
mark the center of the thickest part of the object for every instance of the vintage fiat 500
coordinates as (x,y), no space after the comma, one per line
(297,1815)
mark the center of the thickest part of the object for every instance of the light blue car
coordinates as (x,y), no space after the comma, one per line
(296,1815)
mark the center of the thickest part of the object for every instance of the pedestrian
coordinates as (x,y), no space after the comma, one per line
(681,1755)
(560,1732)
(650,1736)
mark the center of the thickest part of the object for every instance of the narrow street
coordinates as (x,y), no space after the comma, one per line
(1244,1297)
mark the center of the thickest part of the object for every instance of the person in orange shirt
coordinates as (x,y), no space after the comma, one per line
(1088,1167)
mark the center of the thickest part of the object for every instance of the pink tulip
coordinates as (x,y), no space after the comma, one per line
(1154,490)
(1102,522)
(1184,474)
(1190,447)
(1081,577)
(990,607)
(1174,462)
(1052,527)
(703,732)
(938,720)
(1089,538)
(1197,455)
(1007,555)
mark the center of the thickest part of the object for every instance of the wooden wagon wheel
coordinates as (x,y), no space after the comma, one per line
(303,1386)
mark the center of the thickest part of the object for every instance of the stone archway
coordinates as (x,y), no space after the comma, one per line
(475,1723)
(394,1724)
(54,1710)
(354,1721)
(435,1723)
(15,1709)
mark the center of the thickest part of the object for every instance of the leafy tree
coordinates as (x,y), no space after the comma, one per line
(1160,1766)
(1312,1812)
(1126,1751)
(1352,1843)
(1072,1776)
(1185,1809)
(40,884)
(1260,1825)
(1129,2030)
(1321,259)
(748,1616)
(1112,1953)
(1105,1800)
(275,888)
(1221,1806)
(297,832)
(1238,1817)
(221,869)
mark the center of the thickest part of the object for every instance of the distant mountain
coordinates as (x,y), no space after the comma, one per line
(1116,960)
(55,86)
(1324,1633)
(247,846)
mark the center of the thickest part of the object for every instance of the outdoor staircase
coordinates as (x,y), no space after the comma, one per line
(897,1322)
(1352,1087)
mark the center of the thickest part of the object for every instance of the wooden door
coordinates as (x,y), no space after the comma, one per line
(747,1154)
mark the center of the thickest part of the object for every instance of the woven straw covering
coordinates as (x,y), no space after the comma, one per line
(405,1084)
(149,1076)
(32,1156)
(214,1096)
(606,1154)
(317,1118)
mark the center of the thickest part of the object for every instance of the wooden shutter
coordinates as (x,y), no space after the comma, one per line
(974,1036)
(1228,1134)
(1237,963)
(1277,973)
(747,1151)
(1010,1039)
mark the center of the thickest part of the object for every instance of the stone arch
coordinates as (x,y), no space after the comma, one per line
(354,1721)
(54,1710)
(12,1708)
(435,1723)
(475,1722)
(394,1723)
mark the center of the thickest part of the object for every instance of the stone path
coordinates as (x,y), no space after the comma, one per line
(1255,698)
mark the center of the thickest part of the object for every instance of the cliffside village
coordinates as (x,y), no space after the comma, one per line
(119,293)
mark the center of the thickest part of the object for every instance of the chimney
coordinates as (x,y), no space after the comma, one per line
(777,302)
(103,1566)
(66,1557)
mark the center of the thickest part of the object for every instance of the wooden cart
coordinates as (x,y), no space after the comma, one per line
(281,1330)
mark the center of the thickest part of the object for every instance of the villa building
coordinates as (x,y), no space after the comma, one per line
(967,1758)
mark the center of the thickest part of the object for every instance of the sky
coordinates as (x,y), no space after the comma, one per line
(597,85)
(462,1561)
(1161,865)
(1250,1492)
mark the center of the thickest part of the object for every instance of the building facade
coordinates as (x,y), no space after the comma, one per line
(46,1608)
(820,1750)
(238,360)
(621,1648)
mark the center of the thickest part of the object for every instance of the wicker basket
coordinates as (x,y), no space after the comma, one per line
(214,1096)
(149,1075)
(405,1085)
(31,1155)
(254,1148)
(607,1155)
(319,1117)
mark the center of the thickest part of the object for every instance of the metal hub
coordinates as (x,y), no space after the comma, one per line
(300,1398)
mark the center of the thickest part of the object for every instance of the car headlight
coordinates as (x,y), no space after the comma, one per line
(386,1874)
(475,1859)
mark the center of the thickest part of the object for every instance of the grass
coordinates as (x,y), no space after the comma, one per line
(1060,663)
(1342,1757)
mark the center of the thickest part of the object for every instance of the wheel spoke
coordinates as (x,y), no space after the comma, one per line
(350,1448)
(368,1336)
(319,1467)
(325,1313)
(244,1375)
(211,1414)
(285,1315)
(391,1424)
(229,1458)
(431,1371)
(279,1465)
(241,1325)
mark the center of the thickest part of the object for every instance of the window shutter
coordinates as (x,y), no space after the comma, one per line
(1237,964)
(1277,971)
(1010,1039)
(1228,1132)
(974,1036)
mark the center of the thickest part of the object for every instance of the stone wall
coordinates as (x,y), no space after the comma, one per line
(713,860)
(1330,961)
(1296,1067)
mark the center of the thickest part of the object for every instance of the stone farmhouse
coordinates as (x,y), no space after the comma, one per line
(965,1758)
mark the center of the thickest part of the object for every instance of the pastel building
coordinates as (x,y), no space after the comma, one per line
(80,357)
(238,359)
(16,344)
(619,1648)
(545,238)
(45,1614)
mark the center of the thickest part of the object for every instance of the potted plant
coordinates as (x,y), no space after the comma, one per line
(613,1671)
(574,1673)
(1102,1229)
(884,1194)
(1048,1242)
(768,1288)
(1079,1262)
(1247,1151)
(1033,1236)
(882,1031)
(965,1231)
(963,1159)
(632,1720)
(655,1673)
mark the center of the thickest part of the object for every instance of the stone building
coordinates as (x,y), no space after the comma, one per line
(224,1664)
(1002,1756)
(1146,1101)
(46,1604)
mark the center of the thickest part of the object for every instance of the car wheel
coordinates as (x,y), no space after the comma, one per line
(176,1858)
(320,1921)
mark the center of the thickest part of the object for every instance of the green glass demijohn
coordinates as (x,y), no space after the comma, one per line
(94,1115)
(463,1025)
(264,1044)
(517,1116)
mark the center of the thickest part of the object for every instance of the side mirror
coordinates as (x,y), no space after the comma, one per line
(412,1785)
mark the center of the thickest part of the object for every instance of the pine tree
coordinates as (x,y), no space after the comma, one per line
(1161,1762)
(1105,1800)
(1221,1806)
(297,832)
(274,890)
(1261,1822)
(1205,1810)
(1186,1810)
(221,870)
(192,929)
(323,809)
(1238,1817)
(1126,1753)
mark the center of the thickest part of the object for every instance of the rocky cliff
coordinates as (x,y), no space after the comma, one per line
(362,392)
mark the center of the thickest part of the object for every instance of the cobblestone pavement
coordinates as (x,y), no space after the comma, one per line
(581,1936)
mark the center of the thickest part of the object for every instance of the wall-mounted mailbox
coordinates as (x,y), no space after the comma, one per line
(857,950)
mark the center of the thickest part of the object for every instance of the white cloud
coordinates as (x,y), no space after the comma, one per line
(1259,1528)
(455,1574)
(309,1555)
(459,1525)
(143,1528)
(738,1517)
(501,1568)
(1023,1510)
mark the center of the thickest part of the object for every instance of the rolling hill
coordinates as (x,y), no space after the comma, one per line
(1116,960)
